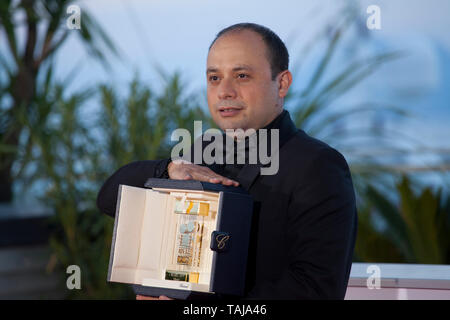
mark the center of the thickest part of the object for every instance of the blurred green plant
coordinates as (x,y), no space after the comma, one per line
(62,160)
(73,157)
(24,59)
(413,229)
(140,127)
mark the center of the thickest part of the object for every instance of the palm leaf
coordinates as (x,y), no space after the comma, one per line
(396,228)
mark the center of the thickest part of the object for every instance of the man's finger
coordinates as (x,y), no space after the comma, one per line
(139,297)
(210,176)
(188,176)
(216,177)
(201,173)
(224,180)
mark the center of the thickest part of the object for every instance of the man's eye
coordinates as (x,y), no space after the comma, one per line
(213,78)
(242,76)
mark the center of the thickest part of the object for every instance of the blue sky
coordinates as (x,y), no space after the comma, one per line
(175,34)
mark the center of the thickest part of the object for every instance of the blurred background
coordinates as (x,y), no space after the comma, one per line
(76,104)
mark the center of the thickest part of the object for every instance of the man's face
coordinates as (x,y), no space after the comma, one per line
(240,90)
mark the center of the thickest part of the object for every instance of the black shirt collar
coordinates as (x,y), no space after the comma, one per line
(275,123)
(282,122)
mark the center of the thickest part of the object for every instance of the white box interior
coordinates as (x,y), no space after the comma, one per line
(146,235)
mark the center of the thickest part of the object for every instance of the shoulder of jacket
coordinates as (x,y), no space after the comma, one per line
(308,149)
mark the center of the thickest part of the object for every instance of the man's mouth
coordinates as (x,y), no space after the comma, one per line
(229,111)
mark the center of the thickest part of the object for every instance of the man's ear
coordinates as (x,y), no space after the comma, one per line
(284,82)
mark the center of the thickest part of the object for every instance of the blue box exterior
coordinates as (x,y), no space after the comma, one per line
(229,267)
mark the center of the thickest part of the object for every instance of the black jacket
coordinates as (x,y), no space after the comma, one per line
(304,220)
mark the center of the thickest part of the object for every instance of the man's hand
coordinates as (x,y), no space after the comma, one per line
(139,297)
(183,170)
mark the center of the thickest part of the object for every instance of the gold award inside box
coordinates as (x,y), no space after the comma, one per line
(162,238)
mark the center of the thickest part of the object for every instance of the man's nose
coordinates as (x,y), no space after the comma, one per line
(226,89)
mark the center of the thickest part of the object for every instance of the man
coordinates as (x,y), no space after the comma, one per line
(304,220)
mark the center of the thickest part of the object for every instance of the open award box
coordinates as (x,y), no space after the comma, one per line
(181,238)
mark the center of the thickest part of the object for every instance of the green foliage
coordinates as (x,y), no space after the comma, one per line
(47,134)
(72,160)
(140,126)
(25,60)
(416,230)
(59,150)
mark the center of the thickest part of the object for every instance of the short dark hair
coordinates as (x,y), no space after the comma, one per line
(278,55)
